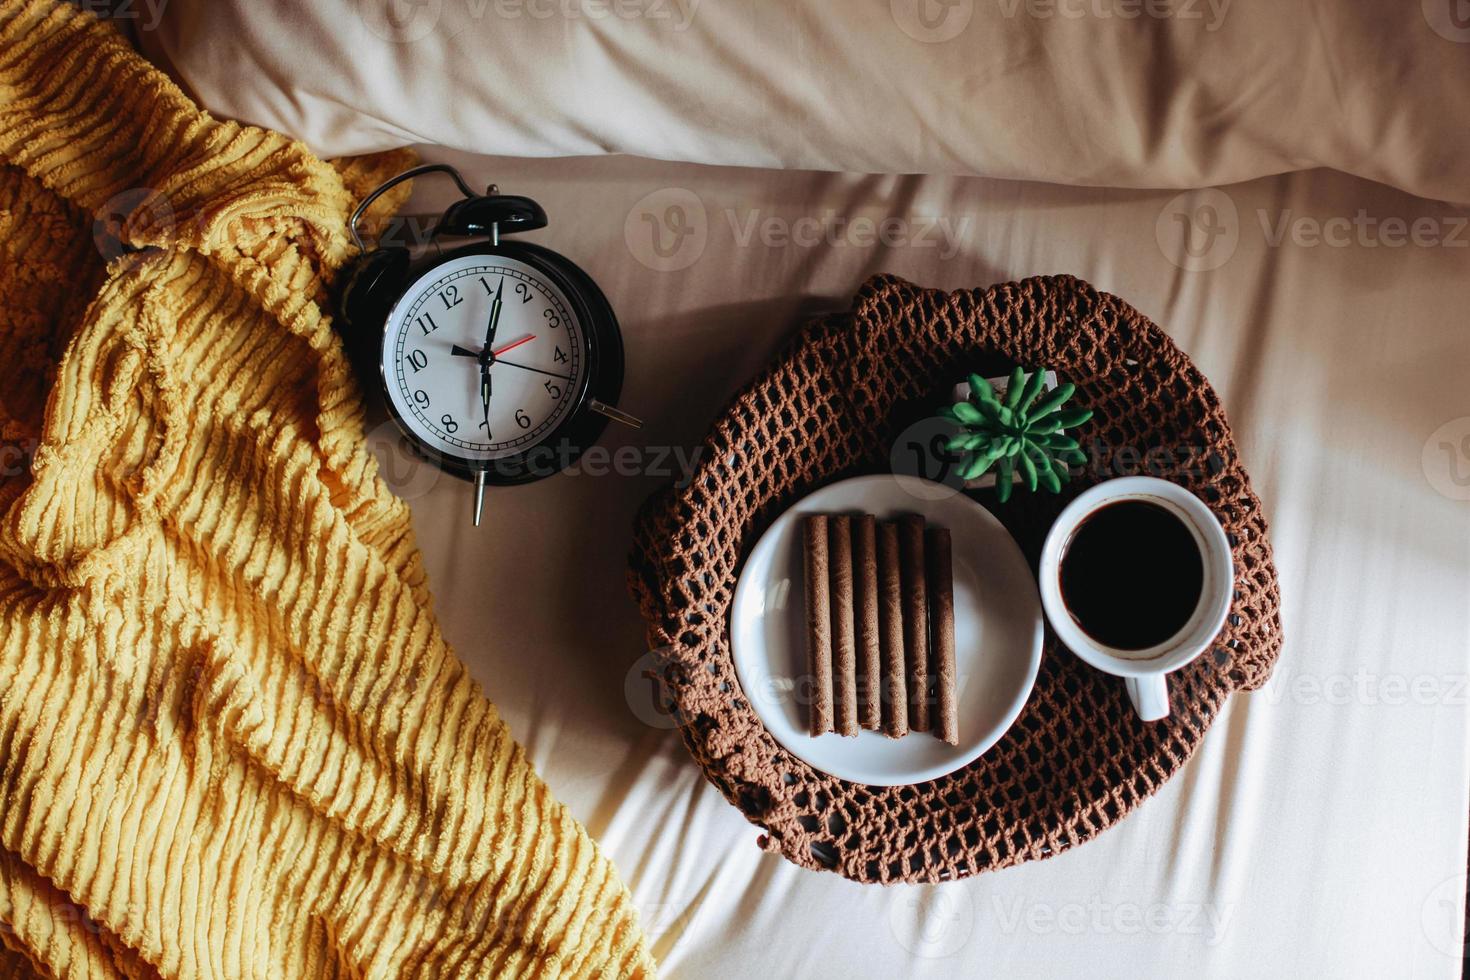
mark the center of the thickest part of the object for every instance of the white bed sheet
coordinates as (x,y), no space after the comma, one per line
(1321,828)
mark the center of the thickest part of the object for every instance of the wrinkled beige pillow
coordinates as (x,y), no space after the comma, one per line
(1145,93)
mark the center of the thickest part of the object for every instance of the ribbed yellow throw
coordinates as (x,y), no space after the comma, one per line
(233,742)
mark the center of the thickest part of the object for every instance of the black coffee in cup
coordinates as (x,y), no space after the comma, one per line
(1131,575)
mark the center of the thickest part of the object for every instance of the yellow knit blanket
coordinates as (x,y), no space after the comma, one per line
(233,742)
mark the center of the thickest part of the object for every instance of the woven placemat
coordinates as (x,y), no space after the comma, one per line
(832,406)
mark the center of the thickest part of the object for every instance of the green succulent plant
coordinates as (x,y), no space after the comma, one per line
(1023,432)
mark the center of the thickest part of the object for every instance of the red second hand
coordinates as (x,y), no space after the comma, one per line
(512,345)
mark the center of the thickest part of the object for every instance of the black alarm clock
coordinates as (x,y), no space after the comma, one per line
(501,361)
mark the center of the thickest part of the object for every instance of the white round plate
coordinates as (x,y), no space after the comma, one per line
(998,633)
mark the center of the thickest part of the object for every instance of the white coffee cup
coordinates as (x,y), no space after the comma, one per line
(1143,670)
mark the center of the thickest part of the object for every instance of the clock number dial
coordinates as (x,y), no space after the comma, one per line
(435,356)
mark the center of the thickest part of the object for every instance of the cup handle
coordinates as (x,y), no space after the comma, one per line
(1150,696)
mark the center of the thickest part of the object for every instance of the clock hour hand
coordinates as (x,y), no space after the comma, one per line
(485,395)
(494,316)
(459,351)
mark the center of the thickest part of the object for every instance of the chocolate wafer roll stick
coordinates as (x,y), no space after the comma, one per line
(844,641)
(870,658)
(941,632)
(915,619)
(890,633)
(818,622)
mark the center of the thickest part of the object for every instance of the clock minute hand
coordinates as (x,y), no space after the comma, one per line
(484,388)
(527,367)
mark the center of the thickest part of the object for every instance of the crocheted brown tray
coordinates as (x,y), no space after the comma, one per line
(1077,759)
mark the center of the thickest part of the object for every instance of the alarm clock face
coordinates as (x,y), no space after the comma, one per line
(483,358)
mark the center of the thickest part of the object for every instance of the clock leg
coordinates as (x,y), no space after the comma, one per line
(479,494)
(615,414)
